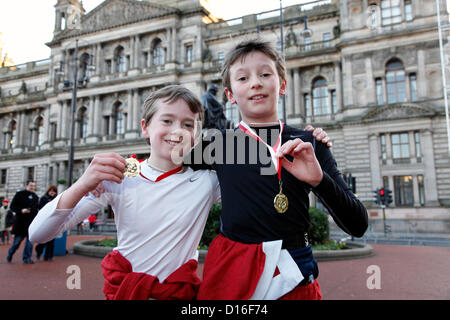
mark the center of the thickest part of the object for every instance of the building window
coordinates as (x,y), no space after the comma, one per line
(379,91)
(53,131)
(188,53)
(82,123)
(30,174)
(395,81)
(106,125)
(421,190)
(157,52)
(390,12)
(400,147)
(408,10)
(413,86)
(3,176)
(119,117)
(403,191)
(307,43)
(326,37)
(320,97)
(231,112)
(120,59)
(220,57)
(108,66)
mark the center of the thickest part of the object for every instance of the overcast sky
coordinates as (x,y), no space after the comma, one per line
(26,25)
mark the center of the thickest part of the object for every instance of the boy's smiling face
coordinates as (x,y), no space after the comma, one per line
(255,87)
(170,130)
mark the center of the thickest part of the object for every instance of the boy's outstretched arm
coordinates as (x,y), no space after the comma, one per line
(347,211)
(104,166)
(68,208)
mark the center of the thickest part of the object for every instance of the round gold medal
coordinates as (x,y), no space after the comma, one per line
(132,168)
(281,203)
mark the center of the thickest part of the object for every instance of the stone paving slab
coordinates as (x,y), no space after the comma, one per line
(405,272)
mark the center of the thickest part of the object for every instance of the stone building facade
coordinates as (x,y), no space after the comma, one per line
(368,71)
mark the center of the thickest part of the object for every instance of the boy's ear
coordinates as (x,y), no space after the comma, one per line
(283,88)
(144,129)
(230,96)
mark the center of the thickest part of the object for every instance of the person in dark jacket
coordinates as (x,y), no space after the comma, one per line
(25,205)
(49,195)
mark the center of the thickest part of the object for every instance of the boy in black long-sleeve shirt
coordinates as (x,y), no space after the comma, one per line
(262,251)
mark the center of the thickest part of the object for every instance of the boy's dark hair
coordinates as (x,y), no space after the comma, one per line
(243,49)
(170,94)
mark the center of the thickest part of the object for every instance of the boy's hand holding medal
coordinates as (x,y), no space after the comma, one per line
(304,166)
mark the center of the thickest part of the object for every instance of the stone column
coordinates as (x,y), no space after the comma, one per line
(374,153)
(421,77)
(174,44)
(388,149)
(415,186)
(338,80)
(136,111)
(290,94)
(297,88)
(429,175)
(90,128)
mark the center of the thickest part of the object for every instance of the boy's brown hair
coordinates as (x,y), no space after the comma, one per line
(170,94)
(243,49)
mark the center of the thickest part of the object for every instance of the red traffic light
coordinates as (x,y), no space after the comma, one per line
(381,192)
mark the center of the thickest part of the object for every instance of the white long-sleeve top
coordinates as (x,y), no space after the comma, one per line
(159,224)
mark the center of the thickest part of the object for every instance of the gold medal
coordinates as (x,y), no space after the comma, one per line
(133,168)
(281,202)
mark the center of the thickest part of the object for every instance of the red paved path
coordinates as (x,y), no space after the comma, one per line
(406,273)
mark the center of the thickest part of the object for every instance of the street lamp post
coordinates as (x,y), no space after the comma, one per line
(283,97)
(72,113)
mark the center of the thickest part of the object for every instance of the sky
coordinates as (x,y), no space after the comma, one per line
(26,25)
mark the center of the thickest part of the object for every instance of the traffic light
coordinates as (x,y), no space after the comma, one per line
(388,196)
(382,196)
(377,196)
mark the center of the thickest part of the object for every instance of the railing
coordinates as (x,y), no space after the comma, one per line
(401,231)
(25,67)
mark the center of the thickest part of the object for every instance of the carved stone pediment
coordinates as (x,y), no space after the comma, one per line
(114,13)
(398,111)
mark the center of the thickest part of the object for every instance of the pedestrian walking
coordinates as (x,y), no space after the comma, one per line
(25,205)
(3,214)
(49,195)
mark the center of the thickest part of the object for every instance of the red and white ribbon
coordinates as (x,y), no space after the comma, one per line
(273,150)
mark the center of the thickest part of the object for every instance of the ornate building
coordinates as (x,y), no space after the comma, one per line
(368,71)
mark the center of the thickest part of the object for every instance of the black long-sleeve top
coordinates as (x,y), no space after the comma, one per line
(249,183)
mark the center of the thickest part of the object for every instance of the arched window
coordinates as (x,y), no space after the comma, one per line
(40,131)
(119,118)
(120,59)
(395,81)
(320,97)
(82,122)
(157,52)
